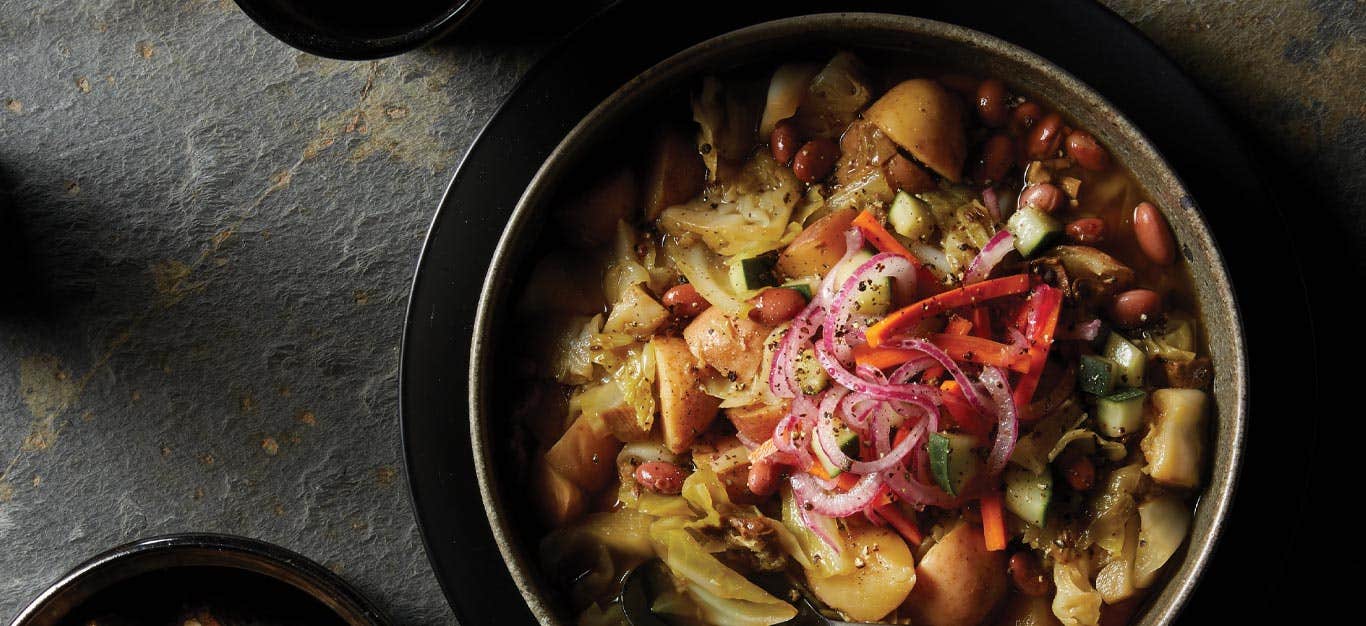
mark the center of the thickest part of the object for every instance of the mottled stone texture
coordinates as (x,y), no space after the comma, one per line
(210,237)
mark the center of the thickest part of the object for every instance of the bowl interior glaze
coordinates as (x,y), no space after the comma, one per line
(497,462)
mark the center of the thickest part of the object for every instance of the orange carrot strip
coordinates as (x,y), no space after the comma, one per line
(908,317)
(964,416)
(983,351)
(993,522)
(907,527)
(874,232)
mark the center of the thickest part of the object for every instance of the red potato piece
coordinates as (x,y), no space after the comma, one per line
(731,344)
(959,582)
(757,421)
(585,454)
(685,409)
(590,219)
(676,172)
(871,591)
(817,248)
(558,499)
(926,120)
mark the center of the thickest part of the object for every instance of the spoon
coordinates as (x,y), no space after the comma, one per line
(638,591)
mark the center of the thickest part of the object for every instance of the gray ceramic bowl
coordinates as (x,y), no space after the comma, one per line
(915,39)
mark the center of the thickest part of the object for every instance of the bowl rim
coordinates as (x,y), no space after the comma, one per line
(1217,496)
(357,48)
(161,552)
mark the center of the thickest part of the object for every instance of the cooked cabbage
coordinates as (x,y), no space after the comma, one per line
(728,120)
(745,216)
(1115,581)
(1164,522)
(1113,450)
(1112,507)
(1033,450)
(636,314)
(595,615)
(834,98)
(571,354)
(723,596)
(1076,602)
(706,273)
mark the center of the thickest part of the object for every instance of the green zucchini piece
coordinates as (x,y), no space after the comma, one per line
(1033,229)
(848,442)
(805,286)
(1096,375)
(953,460)
(1129,357)
(910,216)
(754,273)
(1121,412)
(811,376)
(874,297)
(1028,494)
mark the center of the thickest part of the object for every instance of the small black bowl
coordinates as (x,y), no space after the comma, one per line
(347,29)
(177,578)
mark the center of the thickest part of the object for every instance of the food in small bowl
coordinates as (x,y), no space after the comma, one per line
(906,334)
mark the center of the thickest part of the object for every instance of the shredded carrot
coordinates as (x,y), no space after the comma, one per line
(958,325)
(907,527)
(964,416)
(877,235)
(983,351)
(981,322)
(993,521)
(882,358)
(1045,304)
(908,317)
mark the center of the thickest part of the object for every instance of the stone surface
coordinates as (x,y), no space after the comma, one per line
(210,237)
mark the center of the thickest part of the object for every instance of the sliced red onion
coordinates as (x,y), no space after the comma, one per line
(809,493)
(971,392)
(782,380)
(908,392)
(993,202)
(931,256)
(992,253)
(838,319)
(825,438)
(1007,425)
(1085,331)
(817,529)
(910,369)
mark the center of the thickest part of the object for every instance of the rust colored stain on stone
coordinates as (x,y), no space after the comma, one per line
(307,417)
(146,49)
(386,475)
(271,446)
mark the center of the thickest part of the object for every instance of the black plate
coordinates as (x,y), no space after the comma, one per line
(1083,38)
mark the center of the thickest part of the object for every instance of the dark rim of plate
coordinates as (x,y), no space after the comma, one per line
(163,552)
(354,47)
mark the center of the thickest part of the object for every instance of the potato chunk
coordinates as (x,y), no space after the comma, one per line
(871,591)
(585,454)
(732,344)
(558,499)
(817,248)
(685,410)
(757,421)
(959,582)
(926,120)
(1174,446)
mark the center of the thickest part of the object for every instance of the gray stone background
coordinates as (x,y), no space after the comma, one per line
(211,235)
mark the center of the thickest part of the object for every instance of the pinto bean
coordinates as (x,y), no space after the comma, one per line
(1080,473)
(1153,234)
(1027,574)
(1044,138)
(1136,307)
(905,175)
(784,141)
(815,160)
(776,305)
(1024,117)
(1087,230)
(1045,197)
(991,103)
(1087,152)
(996,159)
(684,301)
(661,477)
